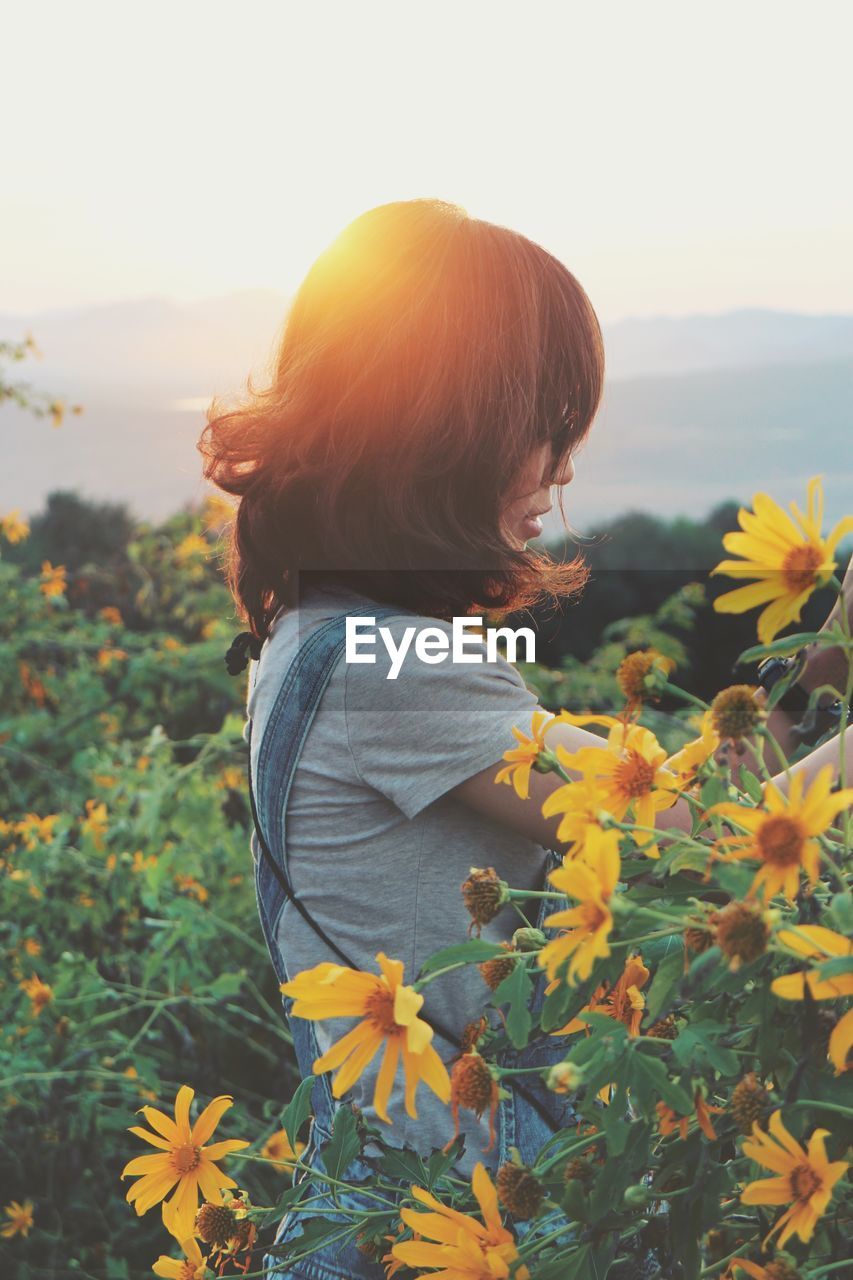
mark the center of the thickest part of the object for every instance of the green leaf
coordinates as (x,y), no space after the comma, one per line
(650,1079)
(841,909)
(589,1262)
(714,791)
(343,1146)
(516,990)
(784,645)
(667,977)
(315,1232)
(440,1161)
(227,984)
(696,1046)
(400,1162)
(472,952)
(751,785)
(297,1110)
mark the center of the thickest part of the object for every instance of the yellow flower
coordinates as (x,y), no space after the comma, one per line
(629,771)
(841,1042)
(522,759)
(388,1012)
(814,941)
(13,526)
(190,546)
(191,887)
(804,1181)
(20,1219)
(35,830)
(278,1150)
(624,1001)
(39,993)
(782,834)
(592,880)
(111,614)
(182,1158)
(669,1120)
(580,803)
(52,579)
(95,823)
(191,1267)
(460,1246)
(789,558)
(106,657)
(686,762)
(231,778)
(32,946)
(821,944)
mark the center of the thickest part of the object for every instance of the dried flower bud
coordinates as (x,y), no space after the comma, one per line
(741,931)
(751,1104)
(698,939)
(483,893)
(579,1170)
(643,675)
(666,1029)
(735,713)
(519,1191)
(215,1223)
(494,971)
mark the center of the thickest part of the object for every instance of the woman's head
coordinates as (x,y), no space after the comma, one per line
(429,365)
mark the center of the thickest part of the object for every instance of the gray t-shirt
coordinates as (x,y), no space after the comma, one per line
(377,850)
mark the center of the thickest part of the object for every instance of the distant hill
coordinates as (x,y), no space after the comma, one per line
(697,409)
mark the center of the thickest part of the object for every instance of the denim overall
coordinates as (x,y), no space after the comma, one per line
(519,1123)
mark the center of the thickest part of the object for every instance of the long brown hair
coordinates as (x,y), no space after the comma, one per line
(426,355)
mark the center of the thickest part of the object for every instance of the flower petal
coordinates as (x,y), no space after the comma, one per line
(209,1119)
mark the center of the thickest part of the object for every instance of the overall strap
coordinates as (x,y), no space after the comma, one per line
(281,746)
(305,682)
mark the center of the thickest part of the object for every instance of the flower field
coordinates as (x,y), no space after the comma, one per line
(701,980)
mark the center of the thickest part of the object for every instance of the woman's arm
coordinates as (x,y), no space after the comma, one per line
(501,803)
(823,666)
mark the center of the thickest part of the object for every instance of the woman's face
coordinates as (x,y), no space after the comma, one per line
(532,496)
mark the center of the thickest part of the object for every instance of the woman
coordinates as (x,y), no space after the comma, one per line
(435,378)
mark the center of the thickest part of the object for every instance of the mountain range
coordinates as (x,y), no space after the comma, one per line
(697,409)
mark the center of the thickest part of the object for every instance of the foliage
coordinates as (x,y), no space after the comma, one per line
(135,964)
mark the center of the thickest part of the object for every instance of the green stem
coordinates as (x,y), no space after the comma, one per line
(822,1106)
(831,1266)
(685,696)
(587,1141)
(318,1173)
(461,964)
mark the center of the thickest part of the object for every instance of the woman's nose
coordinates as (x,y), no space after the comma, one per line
(566,473)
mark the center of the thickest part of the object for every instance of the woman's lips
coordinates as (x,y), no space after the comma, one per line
(531,527)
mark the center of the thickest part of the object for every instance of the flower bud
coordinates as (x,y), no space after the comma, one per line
(564,1077)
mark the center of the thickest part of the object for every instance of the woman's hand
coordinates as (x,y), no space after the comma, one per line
(831,666)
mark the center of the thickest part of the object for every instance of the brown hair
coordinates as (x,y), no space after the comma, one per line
(426,355)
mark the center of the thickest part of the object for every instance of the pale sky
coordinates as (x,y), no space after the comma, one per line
(678,157)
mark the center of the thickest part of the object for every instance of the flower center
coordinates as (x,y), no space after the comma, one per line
(593,916)
(780,841)
(799,568)
(379,1009)
(635,775)
(190,1271)
(186,1158)
(804,1182)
